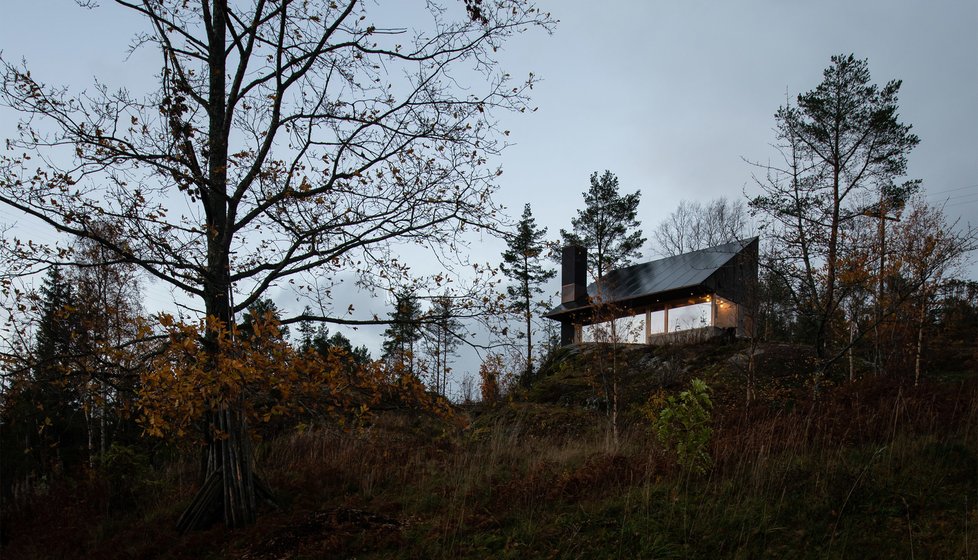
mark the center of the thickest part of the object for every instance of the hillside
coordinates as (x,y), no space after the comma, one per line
(875,468)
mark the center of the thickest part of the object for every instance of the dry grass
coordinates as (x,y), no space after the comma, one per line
(871,469)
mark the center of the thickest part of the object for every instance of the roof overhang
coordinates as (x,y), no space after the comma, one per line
(588,312)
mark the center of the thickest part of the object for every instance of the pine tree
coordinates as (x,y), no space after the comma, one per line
(262,310)
(44,409)
(54,331)
(324,343)
(842,143)
(404,331)
(441,333)
(522,263)
(607,226)
(306,332)
(357,355)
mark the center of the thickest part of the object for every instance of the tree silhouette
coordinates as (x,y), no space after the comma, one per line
(443,334)
(693,225)
(522,263)
(284,142)
(607,226)
(404,332)
(839,142)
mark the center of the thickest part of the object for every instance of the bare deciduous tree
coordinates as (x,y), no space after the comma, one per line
(694,225)
(928,249)
(283,141)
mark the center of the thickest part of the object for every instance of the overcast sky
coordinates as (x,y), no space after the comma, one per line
(669,96)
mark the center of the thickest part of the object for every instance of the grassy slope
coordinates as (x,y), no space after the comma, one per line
(872,469)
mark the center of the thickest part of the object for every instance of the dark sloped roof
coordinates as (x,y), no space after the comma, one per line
(671,274)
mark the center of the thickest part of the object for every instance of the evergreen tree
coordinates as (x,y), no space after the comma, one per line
(306,332)
(522,263)
(358,355)
(607,226)
(320,340)
(324,343)
(404,331)
(264,309)
(842,143)
(441,333)
(42,418)
(353,358)
(55,329)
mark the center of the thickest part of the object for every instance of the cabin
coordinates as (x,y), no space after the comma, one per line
(716,287)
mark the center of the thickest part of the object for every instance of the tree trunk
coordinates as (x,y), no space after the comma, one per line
(821,337)
(751,367)
(879,289)
(852,338)
(88,428)
(103,427)
(614,390)
(228,452)
(235,464)
(920,339)
(529,315)
(529,348)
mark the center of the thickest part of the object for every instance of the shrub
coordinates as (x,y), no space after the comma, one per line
(491,372)
(127,470)
(682,424)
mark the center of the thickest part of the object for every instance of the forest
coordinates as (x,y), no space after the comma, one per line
(296,145)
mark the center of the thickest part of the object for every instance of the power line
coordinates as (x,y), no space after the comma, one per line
(929,193)
(964,198)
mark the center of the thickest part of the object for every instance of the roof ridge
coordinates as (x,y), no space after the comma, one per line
(742,243)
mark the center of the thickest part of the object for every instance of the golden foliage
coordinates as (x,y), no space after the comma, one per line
(260,371)
(490,372)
